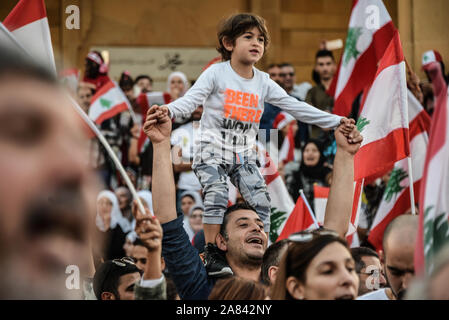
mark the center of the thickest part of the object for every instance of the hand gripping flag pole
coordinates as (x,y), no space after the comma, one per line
(91,126)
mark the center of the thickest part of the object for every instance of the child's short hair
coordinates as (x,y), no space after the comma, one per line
(235,26)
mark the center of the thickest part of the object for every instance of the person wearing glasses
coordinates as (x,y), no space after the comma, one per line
(242,235)
(369,270)
(318,265)
(121,279)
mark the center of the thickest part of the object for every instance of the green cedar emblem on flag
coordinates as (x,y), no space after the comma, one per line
(436,235)
(276,218)
(394,184)
(105,103)
(351,45)
(362,123)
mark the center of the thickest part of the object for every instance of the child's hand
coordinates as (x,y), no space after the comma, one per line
(347,125)
(164,109)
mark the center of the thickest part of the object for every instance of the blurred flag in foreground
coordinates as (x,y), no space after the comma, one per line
(28,24)
(433,231)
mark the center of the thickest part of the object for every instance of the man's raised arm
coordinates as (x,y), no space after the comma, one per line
(339,204)
(158,128)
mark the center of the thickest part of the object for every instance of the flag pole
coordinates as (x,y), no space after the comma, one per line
(92,126)
(412,192)
(110,152)
(303,196)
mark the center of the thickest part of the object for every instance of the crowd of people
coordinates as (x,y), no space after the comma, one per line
(64,203)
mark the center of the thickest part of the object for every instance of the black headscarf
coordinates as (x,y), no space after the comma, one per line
(318,171)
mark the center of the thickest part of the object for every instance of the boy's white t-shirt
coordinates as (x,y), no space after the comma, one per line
(183,138)
(232,110)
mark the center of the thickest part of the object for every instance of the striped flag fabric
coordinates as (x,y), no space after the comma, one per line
(28,23)
(287,150)
(145,101)
(383,120)
(282,204)
(320,195)
(433,231)
(351,235)
(108,102)
(299,219)
(396,198)
(370,31)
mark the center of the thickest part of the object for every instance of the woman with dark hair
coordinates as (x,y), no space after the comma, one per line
(318,265)
(236,288)
(312,170)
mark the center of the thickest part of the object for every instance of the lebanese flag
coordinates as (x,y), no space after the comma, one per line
(28,23)
(433,231)
(351,235)
(396,198)
(282,204)
(145,101)
(383,119)
(287,152)
(370,31)
(320,201)
(108,102)
(300,219)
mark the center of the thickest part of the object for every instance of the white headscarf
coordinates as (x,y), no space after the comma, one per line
(198,202)
(181,75)
(116,214)
(147,196)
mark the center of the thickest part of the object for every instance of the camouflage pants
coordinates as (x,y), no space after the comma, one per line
(247,179)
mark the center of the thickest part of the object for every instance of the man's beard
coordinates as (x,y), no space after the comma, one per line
(30,268)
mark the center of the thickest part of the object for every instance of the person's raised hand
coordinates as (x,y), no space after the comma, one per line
(157,124)
(148,229)
(346,125)
(350,143)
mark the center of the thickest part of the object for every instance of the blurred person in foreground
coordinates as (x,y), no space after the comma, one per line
(242,237)
(433,286)
(47,192)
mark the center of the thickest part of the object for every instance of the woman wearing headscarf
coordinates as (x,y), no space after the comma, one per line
(108,221)
(189,200)
(311,171)
(177,84)
(147,201)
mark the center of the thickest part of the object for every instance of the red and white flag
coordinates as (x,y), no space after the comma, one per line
(300,219)
(287,150)
(396,198)
(28,24)
(108,102)
(320,195)
(370,31)
(281,202)
(351,235)
(383,120)
(145,101)
(433,231)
